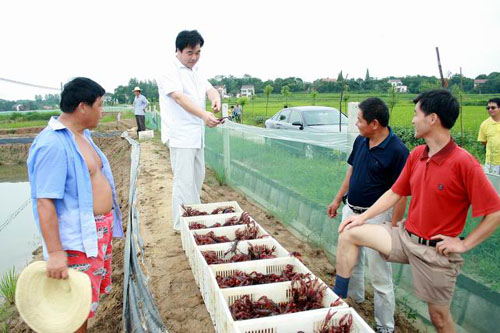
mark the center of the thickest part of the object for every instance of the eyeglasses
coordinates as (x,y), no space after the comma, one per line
(491,107)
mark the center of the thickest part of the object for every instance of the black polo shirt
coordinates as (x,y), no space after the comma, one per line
(374,170)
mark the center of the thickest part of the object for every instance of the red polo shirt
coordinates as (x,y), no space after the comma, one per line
(442,188)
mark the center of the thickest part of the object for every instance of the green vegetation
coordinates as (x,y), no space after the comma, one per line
(401,115)
(8,286)
(38,119)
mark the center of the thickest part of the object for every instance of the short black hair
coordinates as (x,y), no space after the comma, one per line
(440,102)
(188,38)
(375,108)
(495,100)
(80,89)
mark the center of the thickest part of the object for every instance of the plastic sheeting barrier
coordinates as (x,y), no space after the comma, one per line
(140,313)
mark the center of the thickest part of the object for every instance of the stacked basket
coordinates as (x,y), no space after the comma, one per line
(218,300)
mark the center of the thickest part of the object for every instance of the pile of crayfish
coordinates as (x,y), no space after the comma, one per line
(210,238)
(243,219)
(255,252)
(240,279)
(344,325)
(188,211)
(305,294)
(250,231)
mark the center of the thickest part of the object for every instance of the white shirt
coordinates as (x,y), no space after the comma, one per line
(140,105)
(179,128)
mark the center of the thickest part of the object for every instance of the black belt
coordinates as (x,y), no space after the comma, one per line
(423,241)
(357,210)
(354,209)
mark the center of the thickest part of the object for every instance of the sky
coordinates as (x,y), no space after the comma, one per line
(49,42)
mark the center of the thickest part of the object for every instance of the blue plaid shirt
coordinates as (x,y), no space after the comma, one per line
(57,170)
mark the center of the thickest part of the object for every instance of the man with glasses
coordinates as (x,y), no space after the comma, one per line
(489,135)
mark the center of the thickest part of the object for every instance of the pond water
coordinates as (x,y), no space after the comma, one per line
(19,236)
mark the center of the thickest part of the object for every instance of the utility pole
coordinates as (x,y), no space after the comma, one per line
(440,69)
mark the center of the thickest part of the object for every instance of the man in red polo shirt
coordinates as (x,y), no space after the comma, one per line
(443,180)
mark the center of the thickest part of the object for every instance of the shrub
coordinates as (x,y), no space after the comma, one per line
(260,120)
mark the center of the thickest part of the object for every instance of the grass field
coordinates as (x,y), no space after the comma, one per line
(473,110)
(36,119)
(473,113)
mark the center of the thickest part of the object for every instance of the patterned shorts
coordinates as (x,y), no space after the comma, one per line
(97,268)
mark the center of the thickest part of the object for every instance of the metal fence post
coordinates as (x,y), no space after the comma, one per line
(352,129)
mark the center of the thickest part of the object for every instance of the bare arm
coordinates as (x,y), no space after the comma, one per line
(386,201)
(399,211)
(192,108)
(333,207)
(57,263)
(486,227)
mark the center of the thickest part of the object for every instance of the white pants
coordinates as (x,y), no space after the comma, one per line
(188,167)
(491,168)
(380,276)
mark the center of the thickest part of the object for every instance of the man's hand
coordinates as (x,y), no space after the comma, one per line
(332,208)
(57,265)
(216,105)
(449,245)
(351,222)
(210,120)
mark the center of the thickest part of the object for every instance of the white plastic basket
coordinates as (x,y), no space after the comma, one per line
(277,292)
(265,266)
(188,242)
(307,322)
(209,207)
(229,232)
(201,270)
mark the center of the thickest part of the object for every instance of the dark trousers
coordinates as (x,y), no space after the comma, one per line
(141,123)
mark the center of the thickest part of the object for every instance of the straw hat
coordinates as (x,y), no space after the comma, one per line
(137,89)
(50,305)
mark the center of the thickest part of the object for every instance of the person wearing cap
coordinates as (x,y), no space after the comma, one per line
(73,193)
(377,158)
(443,180)
(140,105)
(183,90)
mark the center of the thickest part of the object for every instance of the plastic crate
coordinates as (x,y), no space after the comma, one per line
(307,322)
(265,266)
(188,242)
(278,292)
(203,274)
(209,207)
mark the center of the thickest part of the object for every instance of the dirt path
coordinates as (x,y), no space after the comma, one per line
(172,283)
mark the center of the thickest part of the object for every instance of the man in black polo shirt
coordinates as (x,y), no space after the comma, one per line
(377,158)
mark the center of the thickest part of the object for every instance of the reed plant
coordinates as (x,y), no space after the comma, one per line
(8,285)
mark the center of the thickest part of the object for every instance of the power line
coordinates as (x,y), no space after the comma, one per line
(29,84)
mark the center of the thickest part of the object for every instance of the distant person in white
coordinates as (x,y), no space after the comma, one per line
(182,91)
(140,105)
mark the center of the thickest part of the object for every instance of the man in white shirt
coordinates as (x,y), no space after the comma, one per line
(140,105)
(182,91)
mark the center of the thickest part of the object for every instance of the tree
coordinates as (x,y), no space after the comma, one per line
(367,76)
(285,91)
(314,93)
(242,101)
(393,100)
(268,90)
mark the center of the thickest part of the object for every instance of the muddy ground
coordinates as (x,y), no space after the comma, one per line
(171,281)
